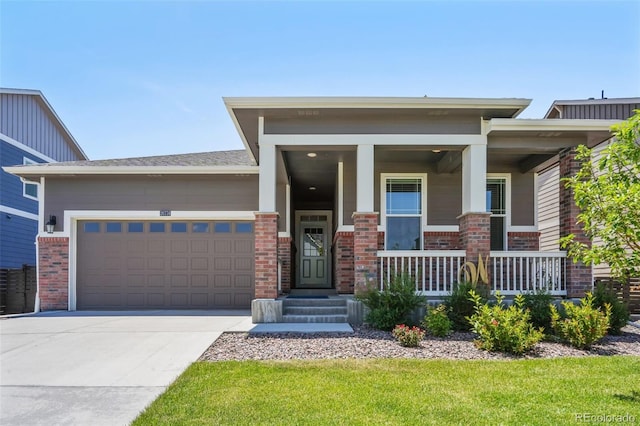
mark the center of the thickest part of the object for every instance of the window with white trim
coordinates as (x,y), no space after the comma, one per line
(497,206)
(403,211)
(29,190)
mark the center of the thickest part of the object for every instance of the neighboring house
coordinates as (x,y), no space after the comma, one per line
(30,133)
(330,194)
(549,182)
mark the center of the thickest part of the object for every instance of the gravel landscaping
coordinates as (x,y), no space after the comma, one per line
(366,342)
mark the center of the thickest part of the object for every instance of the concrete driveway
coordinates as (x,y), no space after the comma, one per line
(99,368)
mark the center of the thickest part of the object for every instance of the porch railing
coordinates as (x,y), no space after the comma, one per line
(514,272)
(433,271)
(436,271)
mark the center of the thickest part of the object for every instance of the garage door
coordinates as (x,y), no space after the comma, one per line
(164,265)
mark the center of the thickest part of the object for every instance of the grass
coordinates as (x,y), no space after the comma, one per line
(398,392)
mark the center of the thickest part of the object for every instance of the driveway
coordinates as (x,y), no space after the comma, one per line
(99,368)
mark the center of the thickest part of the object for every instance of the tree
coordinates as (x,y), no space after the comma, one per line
(607,192)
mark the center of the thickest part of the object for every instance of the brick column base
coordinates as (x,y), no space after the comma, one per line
(475,234)
(266,256)
(284,255)
(343,262)
(53,273)
(365,249)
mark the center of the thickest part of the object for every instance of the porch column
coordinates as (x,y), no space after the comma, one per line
(475,225)
(579,276)
(267,178)
(365,221)
(266,255)
(53,273)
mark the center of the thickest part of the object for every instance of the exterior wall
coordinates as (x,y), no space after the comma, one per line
(579,275)
(284,256)
(602,111)
(523,198)
(523,241)
(441,240)
(53,273)
(26,119)
(378,121)
(266,252)
(209,193)
(548,209)
(343,262)
(17,232)
(350,191)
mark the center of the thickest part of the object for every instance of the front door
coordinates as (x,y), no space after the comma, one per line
(314,255)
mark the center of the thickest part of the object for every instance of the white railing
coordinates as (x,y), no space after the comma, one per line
(513,272)
(434,271)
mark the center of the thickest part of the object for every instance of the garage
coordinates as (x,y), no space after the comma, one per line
(164,264)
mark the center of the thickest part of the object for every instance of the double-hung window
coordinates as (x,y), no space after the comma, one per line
(497,206)
(403,209)
(29,190)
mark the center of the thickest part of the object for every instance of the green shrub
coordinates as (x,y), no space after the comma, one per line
(408,336)
(581,325)
(503,329)
(619,311)
(393,305)
(538,305)
(436,322)
(460,307)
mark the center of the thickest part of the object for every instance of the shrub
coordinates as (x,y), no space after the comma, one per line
(538,305)
(619,311)
(436,322)
(408,336)
(582,325)
(460,307)
(503,329)
(390,306)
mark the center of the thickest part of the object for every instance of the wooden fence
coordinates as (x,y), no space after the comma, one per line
(628,292)
(17,290)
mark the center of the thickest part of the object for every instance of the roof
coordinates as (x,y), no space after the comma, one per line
(215,162)
(47,105)
(592,101)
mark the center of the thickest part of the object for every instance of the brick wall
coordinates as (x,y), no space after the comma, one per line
(579,277)
(266,256)
(441,240)
(343,262)
(365,249)
(475,236)
(523,241)
(284,255)
(53,273)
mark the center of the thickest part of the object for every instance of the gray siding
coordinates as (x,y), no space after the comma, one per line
(350,191)
(25,119)
(548,209)
(523,199)
(602,111)
(213,193)
(384,124)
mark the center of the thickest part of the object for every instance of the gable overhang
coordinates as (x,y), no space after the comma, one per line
(42,100)
(245,112)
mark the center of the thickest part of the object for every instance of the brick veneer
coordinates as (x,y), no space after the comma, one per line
(365,249)
(579,277)
(53,273)
(284,255)
(266,256)
(475,234)
(523,241)
(441,240)
(343,261)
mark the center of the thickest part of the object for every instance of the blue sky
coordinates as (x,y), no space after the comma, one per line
(147,78)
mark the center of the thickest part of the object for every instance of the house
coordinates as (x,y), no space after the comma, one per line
(30,133)
(548,179)
(330,193)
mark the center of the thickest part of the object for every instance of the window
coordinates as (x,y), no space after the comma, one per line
(29,190)
(200,227)
(178,227)
(403,210)
(244,228)
(497,206)
(92,227)
(222,227)
(114,227)
(156,227)
(135,227)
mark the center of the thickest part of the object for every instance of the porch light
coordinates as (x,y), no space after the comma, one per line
(436,151)
(312,154)
(51,224)
(312,188)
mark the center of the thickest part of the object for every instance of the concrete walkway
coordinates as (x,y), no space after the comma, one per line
(99,368)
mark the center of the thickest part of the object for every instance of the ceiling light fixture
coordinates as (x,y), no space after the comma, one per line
(312,154)
(312,188)
(437,151)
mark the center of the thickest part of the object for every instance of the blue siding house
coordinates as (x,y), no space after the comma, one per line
(30,132)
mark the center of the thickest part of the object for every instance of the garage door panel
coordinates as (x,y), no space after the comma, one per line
(130,267)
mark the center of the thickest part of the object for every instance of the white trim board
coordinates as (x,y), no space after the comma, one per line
(26,148)
(19,213)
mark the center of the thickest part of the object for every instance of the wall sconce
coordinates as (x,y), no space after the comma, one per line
(51,225)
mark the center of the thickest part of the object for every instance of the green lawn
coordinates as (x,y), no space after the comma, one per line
(398,392)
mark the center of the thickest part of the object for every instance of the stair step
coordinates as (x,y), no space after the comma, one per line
(315,302)
(314,318)
(315,310)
